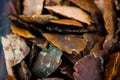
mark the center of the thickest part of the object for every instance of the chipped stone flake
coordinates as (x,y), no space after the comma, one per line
(15,50)
(47,61)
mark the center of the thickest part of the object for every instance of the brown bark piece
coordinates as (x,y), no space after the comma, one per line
(67,43)
(112,66)
(110,16)
(67,22)
(71,12)
(33,7)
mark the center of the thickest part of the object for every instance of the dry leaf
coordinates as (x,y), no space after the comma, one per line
(110,16)
(21,32)
(67,22)
(112,66)
(67,43)
(33,7)
(71,12)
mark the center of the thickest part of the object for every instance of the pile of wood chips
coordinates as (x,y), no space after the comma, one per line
(63,40)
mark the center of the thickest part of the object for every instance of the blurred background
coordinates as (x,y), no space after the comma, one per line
(6,7)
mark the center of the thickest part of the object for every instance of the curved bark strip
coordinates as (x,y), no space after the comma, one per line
(89,6)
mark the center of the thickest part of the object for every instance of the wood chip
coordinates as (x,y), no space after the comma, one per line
(21,32)
(33,7)
(10,78)
(67,22)
(67,43)
(38,18)
(112,66)
(90,6)
(110,16)
(71,12)
(52,2)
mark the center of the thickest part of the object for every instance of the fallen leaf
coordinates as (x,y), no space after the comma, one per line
(33,7)
(110,16)
(67,43)
(21,32)
(67,22)
(71,12)
(112,66)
